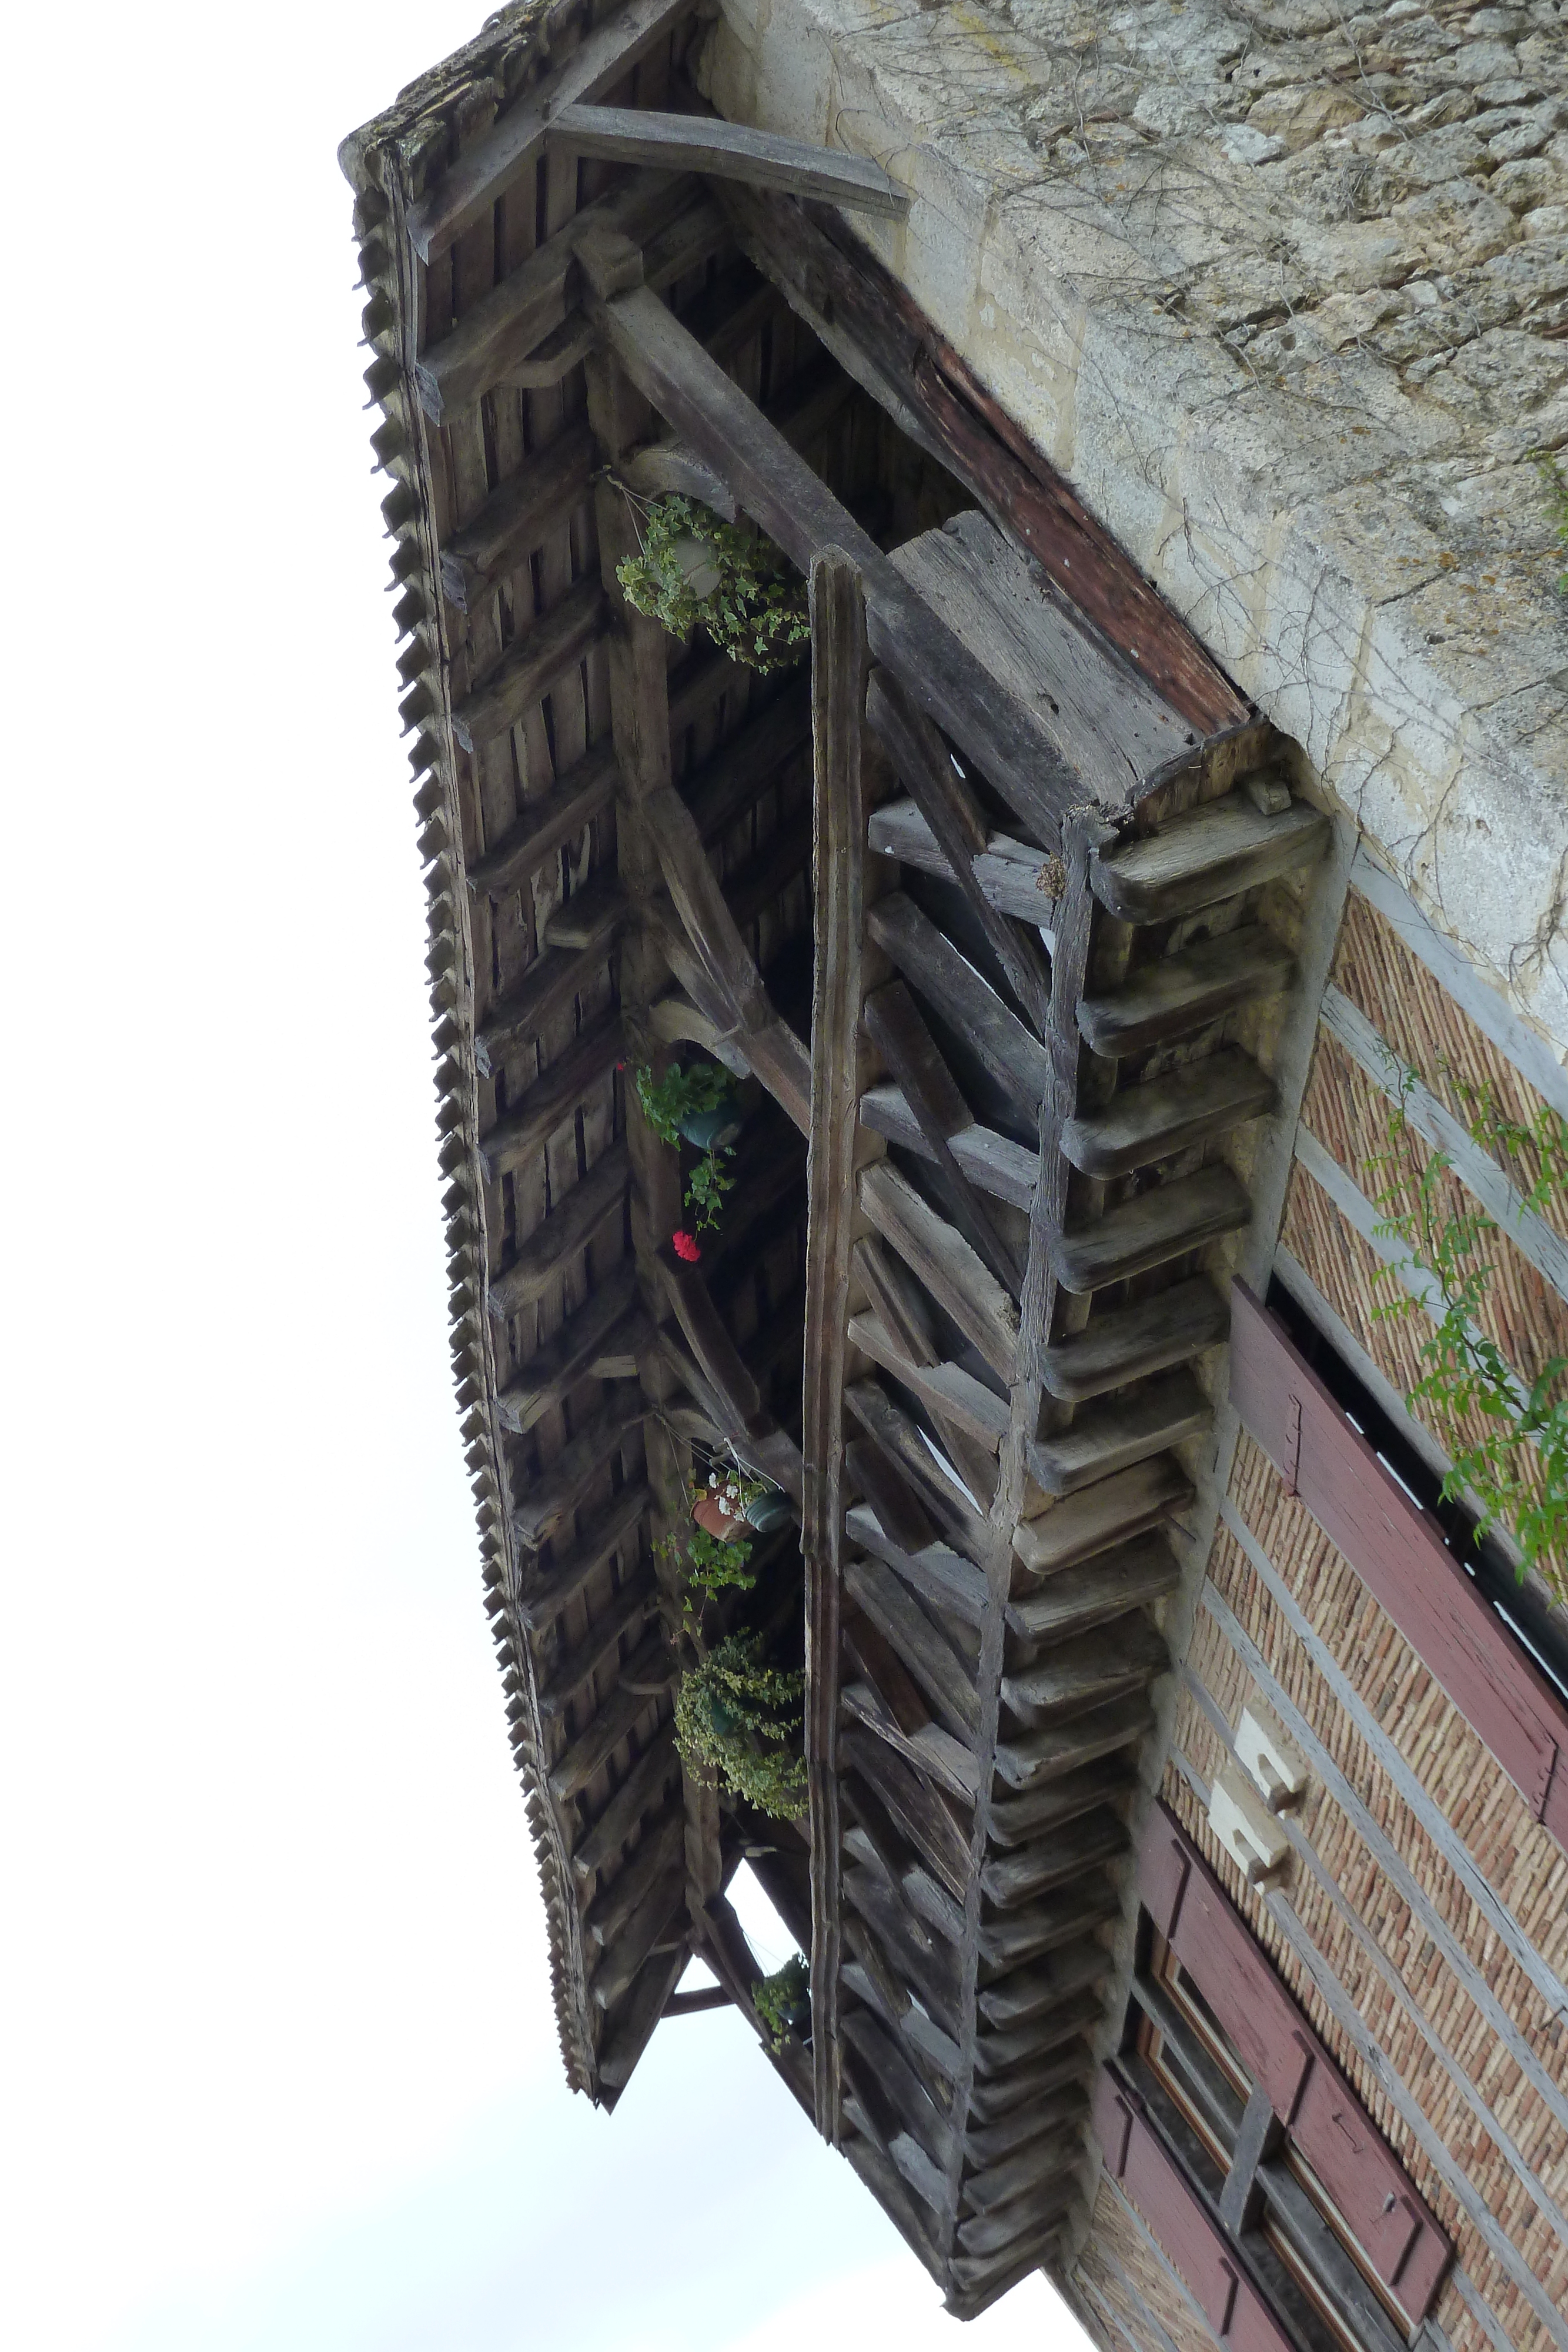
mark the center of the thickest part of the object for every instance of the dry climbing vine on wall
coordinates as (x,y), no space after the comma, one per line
(1507,1440)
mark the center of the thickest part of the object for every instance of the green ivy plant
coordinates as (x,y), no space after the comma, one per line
(682,1094)
(696,571)
(1517,1465)
(783,2001)
(737,1721)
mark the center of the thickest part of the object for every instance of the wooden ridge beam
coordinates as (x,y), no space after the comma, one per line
(959,829)
(838,698)
(726,151)
(779,490)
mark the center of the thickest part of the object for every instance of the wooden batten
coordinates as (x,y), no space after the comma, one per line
(726,151)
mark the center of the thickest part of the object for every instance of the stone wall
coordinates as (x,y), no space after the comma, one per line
(1284,291)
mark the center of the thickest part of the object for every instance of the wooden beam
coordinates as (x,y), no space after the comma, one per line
(628,1613)
(545,1595)
(644,1784)
(499,157)
(560,814)
(779,490)
(517,518)
(531,665)
(1013,879)
(994,1163)
(700,1998)
(942,1260)
(610,1323)
(553,1097)
(945,977)
(514,1023)
(838,702)
(558,1491)
(571,1225)
(727,151)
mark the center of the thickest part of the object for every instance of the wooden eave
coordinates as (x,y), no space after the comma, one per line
(974,912)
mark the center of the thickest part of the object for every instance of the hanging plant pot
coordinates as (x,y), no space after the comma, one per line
(693,560)
(715,1128)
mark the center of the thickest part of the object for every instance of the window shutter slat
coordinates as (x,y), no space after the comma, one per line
(1400,2236)
(1137,2158)
(1395,1547)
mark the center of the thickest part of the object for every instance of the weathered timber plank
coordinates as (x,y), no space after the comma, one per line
(1000,2052)
(660,1844)
(1209,853)
(616,1719)
(780,491)
(1029,2220)
(551,981)
(1108,1586)
(548,824)
(553,1097)
(731,777)
(1017,1820)
(934,1752)
(1011,876)
(511,321)
(518,516)
(531,665)
(700,1998)
(1049,2158)
(1016,1939)
(1111,1512)
(545,1596)
(959,831)
(948,979)
(1109,725)
(993,2143)
(929,1657)
(1085,1843)
(1153,1228)
(727,151)
(901,2085)
(952,1394)
(1130,1342)
(978,2282)
(559,1489)
(1183,991)
(591,1331)
(618,1969)
(592,915)
(838,698)
(1090,1670)
(879,334)
(993,1163)
(922,1809)
(1042,1991)
(941,1576)
(942,1260)
(569,1226)
(992,2101)
(1111,1437)
(913,1954)
(894,1024)
(496,160)
(1036,1755)
(906,1445)
(888,1493)
(628,1613)
(1187,1107)
(649,2001)
(646,1783)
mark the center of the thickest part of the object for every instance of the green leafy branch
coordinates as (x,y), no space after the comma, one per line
(670,1103)
(696,571)
(737,1722)
(1507,1440)
(783,2001)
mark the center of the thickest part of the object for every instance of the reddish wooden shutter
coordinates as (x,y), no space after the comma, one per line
(1203,2254)
(1396,1549)
(1399,2235)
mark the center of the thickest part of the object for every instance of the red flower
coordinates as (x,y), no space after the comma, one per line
(685,1246)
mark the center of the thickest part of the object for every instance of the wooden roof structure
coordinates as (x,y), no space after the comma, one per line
(970,904)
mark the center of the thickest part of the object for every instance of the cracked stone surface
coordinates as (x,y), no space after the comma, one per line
(1284,291)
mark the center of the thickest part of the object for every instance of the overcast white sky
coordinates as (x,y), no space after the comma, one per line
(280,2060)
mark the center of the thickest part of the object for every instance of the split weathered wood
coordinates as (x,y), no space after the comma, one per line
(936,1754)
(1152,1228)
(884,340)
(518,518)
(959,829)
(661,1844)
(1011,876)
(940,1256)
(1035,1756)
(1182,993)
(838,702)
(511,321)
(922,1961)
(1094,1838)
(727,151)
(1111,1585)
(599,1647)
(1128,1343)
(1108,725)
(1167,1115)
(910,1449)
(553,1097)
(498,157)
(895,1028)
(955,1397)
(1087,1670)
(615,1721)
(517,1020)
(1210,852)
(558,816)
(927,1654)
(571,1225)
(920,1805)
(642,1791)
(1113,1511)
(555,1370)
(993,725)
(941,1577)
(993,1163)
(546,1595)
(1019,1823)
(1109,1438)
(531,665)
(558,1491)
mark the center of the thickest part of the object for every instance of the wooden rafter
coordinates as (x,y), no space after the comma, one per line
(727,151)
